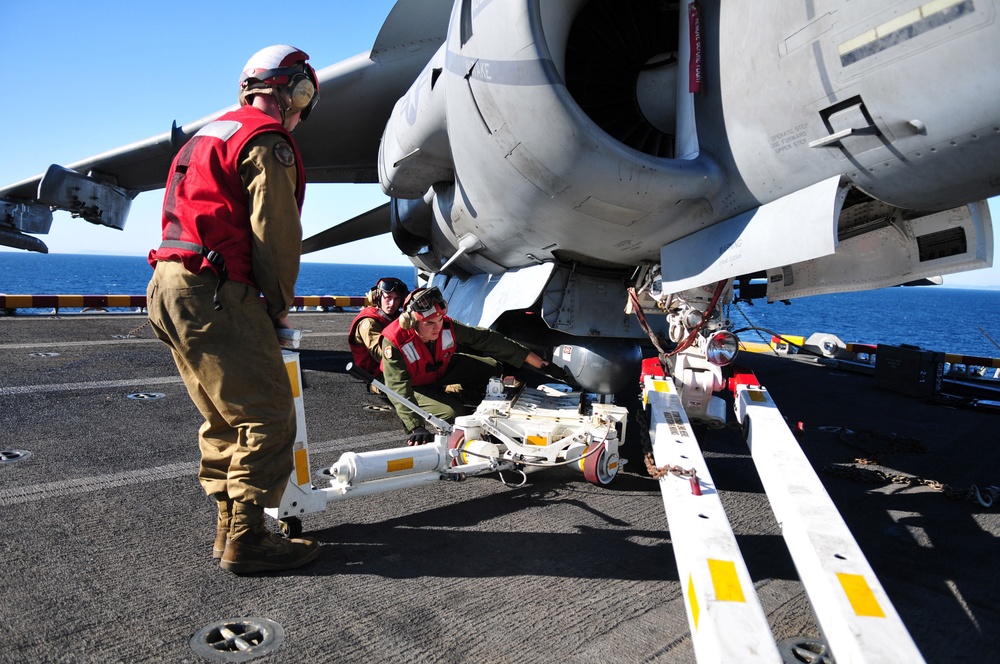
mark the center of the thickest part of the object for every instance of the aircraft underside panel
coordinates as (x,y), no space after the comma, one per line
(902,251)
(795,228)
(829,238)
(482,299)
(586,305)
(590,306)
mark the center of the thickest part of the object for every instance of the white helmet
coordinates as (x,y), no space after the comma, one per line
(283,71)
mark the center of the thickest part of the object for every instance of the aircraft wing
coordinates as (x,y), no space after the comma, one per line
(339,143)
(137,167)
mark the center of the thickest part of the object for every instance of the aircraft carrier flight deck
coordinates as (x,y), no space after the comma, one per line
(106,534)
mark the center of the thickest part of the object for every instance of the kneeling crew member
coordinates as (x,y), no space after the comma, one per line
(420,357)
(365,336)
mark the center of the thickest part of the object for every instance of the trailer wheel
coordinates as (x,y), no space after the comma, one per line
(455,442)
(600,467)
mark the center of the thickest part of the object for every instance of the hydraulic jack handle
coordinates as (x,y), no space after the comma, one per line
(443,427)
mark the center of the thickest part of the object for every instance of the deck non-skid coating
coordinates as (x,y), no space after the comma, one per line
(112,536)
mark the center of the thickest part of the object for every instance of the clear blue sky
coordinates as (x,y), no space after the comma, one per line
(87,77)
(83,78)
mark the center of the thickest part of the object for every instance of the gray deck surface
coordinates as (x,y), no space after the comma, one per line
(105,535)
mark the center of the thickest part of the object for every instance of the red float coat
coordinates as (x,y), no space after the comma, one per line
(362,356)
(206,203)
(424,369)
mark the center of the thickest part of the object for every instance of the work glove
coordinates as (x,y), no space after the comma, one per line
(419,436)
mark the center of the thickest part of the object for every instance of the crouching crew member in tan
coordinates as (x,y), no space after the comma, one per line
(365,336)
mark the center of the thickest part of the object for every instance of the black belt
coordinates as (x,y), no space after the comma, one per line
(214,258)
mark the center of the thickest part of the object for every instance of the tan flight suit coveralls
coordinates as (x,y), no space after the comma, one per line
(230,360)
(369,333)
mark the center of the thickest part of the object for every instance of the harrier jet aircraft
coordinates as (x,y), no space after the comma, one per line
(592,174)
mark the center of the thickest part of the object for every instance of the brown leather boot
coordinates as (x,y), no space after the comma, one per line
(252,548)
(222,529)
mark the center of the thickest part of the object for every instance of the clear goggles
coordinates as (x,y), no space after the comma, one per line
(391,285)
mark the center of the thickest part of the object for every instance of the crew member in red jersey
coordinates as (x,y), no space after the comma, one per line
(365,335)
(232,234)
(421,355)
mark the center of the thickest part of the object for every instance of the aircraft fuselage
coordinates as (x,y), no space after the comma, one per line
(569,132)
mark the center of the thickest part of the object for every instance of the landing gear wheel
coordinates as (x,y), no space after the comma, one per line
(290,527)
(600,467)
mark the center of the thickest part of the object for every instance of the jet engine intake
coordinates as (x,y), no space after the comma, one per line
(508,131)
(414,152)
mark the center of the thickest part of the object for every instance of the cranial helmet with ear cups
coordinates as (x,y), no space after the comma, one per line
(282,70)
(386,285)
(421,304)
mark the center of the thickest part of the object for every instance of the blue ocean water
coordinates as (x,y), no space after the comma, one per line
(950,320)
(24,273)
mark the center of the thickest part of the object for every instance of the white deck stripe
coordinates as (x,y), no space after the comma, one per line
(70,344)
(86,385)
(35,492)
(116,342)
